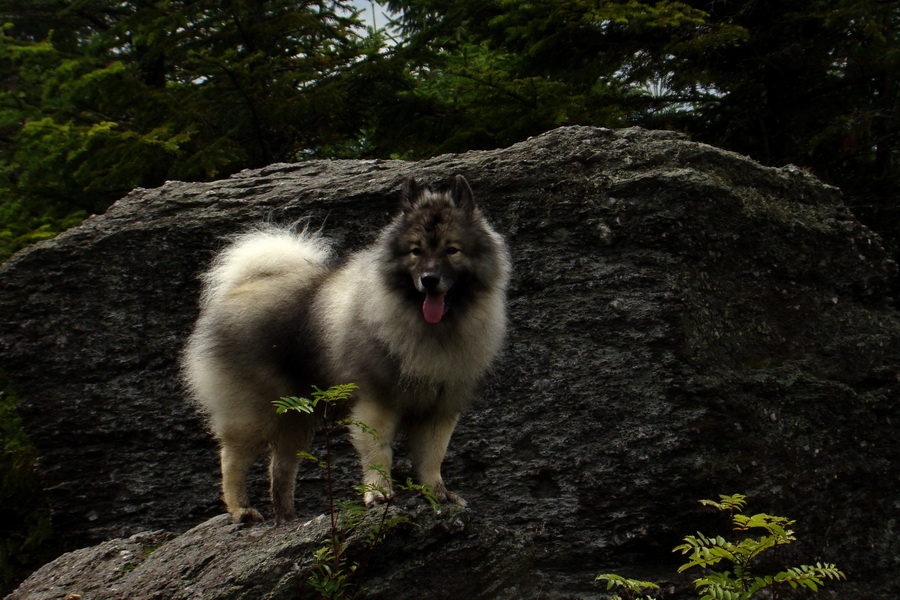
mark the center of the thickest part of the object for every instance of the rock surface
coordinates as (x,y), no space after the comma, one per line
(684,323)
(217,560)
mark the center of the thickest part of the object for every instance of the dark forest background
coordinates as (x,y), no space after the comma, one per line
(98,97)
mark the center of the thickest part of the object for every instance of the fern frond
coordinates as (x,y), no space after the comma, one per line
(423,490)
(361,426)
(776,526)
(633,586)
(720,594)
(719,586)
(728,503)
(760,583)
(705,551)
(808,576)
(336,393)
(706,557)
(694,542)
(742,583)
(304,405)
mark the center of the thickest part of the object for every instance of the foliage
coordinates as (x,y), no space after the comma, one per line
(742,580)
(333,574)
(25,534)
(492,73)
(632,587)
(815,84)
(324,398)
(812,83)
(100,97)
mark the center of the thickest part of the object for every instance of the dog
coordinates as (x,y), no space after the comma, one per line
(415,321)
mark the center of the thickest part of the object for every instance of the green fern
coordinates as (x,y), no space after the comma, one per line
(740,581)
(332,574)
(731,504)
(631,586)
(333,395)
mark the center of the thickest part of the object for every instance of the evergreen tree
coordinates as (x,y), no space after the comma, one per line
(494,72)
(815,84)
(99,97)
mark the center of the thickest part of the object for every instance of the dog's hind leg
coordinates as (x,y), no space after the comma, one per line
(428,440)
(295,434)
(373,433)
(283,477)
(236,462)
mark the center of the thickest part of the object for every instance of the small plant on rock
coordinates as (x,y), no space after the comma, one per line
(333,575)
(632,587)
(740,580)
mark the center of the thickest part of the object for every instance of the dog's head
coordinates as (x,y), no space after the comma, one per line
(441,247)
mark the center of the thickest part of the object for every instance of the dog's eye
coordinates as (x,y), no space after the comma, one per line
(415,251)
(452,250)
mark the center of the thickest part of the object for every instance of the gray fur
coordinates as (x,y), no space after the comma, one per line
(415,320)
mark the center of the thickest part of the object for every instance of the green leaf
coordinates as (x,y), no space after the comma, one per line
(633,586)
(727,503)
(334,394)
(294,403)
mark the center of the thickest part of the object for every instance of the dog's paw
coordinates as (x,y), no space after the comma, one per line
(376,497)
(246,515)
(444,495)
(282,517)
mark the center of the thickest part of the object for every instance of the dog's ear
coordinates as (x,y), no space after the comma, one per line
(461,194)
(409,194)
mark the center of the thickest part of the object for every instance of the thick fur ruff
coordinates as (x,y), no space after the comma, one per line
(415,321)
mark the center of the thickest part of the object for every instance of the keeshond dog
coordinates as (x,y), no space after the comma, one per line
(415,321)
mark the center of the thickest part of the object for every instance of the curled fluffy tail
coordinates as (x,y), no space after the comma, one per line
(267,251)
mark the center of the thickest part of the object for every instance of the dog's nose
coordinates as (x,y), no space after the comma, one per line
(430,281)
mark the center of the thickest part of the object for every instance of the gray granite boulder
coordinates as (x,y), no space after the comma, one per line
(684,323)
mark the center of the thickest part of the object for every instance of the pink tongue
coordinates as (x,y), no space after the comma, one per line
(433,307)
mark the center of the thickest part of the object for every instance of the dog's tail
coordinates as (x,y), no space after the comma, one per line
(266,251)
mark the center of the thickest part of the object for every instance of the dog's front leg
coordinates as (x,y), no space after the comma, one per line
(428,440)
(373,430)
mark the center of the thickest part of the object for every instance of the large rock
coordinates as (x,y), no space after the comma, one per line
(684,323)
(217,560)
